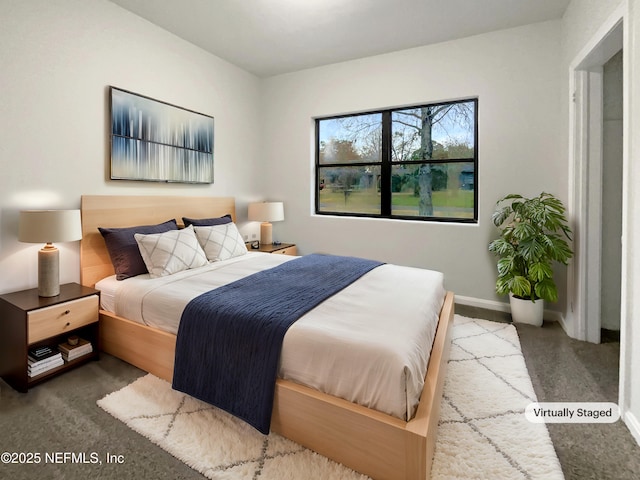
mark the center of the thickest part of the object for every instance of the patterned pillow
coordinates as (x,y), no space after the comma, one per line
(221,242)
(170,252)
(123,249)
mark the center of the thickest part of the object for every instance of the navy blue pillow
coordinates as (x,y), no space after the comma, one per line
(207,222)
(123,248)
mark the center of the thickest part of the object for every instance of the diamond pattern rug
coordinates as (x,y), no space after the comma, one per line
(483,432)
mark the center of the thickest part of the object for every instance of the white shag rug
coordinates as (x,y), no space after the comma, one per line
(483,431)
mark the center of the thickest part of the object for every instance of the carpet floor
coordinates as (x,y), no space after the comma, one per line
(61,415)
(482,434)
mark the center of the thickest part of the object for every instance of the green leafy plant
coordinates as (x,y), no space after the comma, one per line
(533,234)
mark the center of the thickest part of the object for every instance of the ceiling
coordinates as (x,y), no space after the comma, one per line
(271,37)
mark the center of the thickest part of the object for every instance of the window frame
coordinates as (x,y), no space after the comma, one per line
(386,165)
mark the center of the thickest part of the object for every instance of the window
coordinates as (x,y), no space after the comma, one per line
(415,163)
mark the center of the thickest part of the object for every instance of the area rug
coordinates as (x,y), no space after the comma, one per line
(483,432)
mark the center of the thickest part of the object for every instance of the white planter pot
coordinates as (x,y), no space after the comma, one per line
(526,311)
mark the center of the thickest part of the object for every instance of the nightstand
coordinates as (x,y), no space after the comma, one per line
(283,248)
(29,321)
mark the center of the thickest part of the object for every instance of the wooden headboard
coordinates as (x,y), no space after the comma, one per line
(128,211)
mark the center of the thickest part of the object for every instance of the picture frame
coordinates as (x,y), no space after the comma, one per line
(156,141)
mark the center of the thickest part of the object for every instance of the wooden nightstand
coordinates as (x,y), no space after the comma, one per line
(29,321)
(283,248)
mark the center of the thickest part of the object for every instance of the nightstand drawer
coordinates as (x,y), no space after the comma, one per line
(64,317)
(288,251)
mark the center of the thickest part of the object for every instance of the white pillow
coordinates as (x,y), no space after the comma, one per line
(170,252)
(221,242)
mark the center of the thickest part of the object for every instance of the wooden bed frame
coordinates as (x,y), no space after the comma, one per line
(368,441)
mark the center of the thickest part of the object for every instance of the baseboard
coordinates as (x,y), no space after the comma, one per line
(552,315)
(481,303)
(633,425)
(563,323)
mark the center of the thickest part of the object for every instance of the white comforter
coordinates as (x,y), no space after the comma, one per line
(369,343)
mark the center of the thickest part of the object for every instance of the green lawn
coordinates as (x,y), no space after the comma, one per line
(449,203)
(443,198)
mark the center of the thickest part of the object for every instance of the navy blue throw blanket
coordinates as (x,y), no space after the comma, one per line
(229,339)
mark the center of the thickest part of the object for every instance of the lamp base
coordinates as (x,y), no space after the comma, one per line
(266,233)
(48,271)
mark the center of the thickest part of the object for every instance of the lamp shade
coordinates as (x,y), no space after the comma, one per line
(48,226)
(266,211)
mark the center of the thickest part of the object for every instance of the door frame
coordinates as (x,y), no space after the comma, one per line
(582,319)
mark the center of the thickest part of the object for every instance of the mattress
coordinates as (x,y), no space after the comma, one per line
(368,344)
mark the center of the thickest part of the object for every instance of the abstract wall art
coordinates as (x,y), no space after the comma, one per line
(159,142)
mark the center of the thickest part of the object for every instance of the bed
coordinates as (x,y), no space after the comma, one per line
(367,440)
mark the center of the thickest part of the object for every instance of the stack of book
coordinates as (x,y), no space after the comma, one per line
(71,352)
(43,359)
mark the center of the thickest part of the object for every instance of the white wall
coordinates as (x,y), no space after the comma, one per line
(514,73)
(58,58)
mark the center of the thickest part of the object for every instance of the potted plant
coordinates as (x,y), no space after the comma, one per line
(533,235)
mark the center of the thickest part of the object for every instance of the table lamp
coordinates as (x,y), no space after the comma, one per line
(48,226)
(266,212)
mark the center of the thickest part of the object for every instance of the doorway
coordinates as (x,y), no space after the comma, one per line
(596,190)
(611,234)
(585,166)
